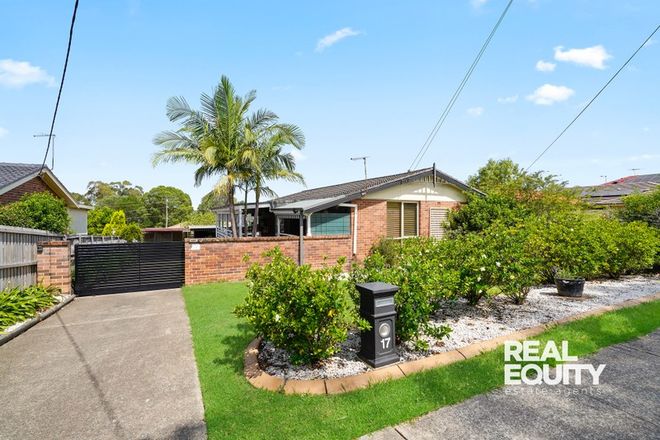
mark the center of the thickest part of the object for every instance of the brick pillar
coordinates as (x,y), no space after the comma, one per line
(54,265)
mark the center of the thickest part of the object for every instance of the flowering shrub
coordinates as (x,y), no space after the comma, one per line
(496,261)
(306,312)
(592,246)
(422,283)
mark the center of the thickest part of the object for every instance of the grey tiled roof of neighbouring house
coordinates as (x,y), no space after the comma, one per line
(611,193)
(13,172)
(344,191)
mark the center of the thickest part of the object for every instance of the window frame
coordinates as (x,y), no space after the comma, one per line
(402,219)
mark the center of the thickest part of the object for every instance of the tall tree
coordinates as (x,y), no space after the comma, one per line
(273,163)
(220,138)
(166,206)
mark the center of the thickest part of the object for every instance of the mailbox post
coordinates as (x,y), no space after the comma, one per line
(377,306)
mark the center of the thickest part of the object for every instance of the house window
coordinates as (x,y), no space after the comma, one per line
(402,219)
(437,218)
(331,223)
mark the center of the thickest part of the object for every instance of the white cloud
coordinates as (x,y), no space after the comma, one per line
(508,99)
(651,42)
(3,132)
(298,155)
(335,37)
(548,94)
(589,56)
(545,66)
(475,111)
(17,74)
(478,3)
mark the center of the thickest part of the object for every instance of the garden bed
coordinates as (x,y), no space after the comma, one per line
(17,328)
(470,324)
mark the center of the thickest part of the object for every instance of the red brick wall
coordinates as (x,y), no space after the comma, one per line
(372,224)
(54,265)
(222,259)
(35,185)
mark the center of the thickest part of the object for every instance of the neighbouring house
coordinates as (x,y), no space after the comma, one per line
(414,203)
(178,233)
(18,179)
(611,194)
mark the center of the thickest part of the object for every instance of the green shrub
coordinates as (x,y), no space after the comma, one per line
(495,261)
(18,304)
(39,211)
(633,247)
(422,283)
(304,311)
(482,211)
(574,242)
(16,214)
(642,207)
(131,232)
(591,246)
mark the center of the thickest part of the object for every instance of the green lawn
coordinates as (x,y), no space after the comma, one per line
(234,409)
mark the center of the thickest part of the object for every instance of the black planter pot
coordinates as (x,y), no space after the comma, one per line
(570,286)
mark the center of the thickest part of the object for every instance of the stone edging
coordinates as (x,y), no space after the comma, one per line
(6,337)
(260,379)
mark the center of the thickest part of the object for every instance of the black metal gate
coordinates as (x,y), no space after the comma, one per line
(128,267)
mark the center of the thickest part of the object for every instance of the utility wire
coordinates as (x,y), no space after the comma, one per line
(59,93)
(593,99)
(454,98)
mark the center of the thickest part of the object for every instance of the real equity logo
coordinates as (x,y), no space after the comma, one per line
(535,374)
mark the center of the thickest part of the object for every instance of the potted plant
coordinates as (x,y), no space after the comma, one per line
(569,283)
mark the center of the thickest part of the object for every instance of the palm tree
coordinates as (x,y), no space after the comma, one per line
(273,163)
(215,138)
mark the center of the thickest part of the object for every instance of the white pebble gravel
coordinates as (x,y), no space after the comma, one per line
(487,320)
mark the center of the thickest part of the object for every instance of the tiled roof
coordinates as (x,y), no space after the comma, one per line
(611,193)
(362,186)
(13,172)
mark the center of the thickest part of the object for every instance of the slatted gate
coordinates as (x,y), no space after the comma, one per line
(128,267)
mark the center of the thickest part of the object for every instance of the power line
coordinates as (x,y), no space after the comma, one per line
(59,92)
(593,99)
(454,98)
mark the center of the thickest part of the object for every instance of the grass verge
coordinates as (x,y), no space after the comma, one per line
(234,409)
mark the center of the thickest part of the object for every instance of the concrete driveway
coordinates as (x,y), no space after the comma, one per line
(626,405)
(104,367)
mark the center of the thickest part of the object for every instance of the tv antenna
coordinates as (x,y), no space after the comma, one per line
(364,160)
(634,170)
(604,177)
(52,153)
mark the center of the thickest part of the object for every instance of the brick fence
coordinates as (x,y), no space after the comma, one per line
(223,259)
(54,265)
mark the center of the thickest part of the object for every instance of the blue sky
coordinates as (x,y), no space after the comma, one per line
(360,78)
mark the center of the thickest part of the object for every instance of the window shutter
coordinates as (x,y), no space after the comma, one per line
(409,219)
(438,218)
(393,219)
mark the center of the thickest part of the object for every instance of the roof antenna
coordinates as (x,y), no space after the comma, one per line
(604,177)
(52,153)
(634,170)
(364,160)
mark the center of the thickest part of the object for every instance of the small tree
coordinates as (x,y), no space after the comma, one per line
(131,232)
(97,218)
(116,225)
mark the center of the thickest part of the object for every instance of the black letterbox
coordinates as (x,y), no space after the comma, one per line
(377,306)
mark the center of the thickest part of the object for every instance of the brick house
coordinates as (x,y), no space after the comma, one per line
(409,204)
(18,179)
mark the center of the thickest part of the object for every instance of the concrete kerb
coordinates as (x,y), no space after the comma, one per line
(6,337)
(260,379)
